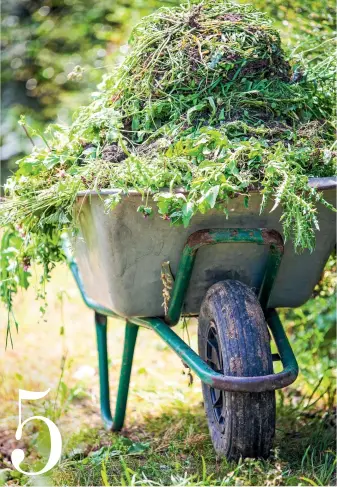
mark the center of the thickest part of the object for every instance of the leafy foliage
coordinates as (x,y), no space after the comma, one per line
(313,327)
(206,100)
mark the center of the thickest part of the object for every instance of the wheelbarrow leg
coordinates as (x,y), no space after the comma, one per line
(131,332)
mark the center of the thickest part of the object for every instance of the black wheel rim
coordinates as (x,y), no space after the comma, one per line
(214,360)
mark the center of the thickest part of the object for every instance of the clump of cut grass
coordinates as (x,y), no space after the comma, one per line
(207,100)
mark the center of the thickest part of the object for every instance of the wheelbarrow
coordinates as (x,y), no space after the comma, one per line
(232,273)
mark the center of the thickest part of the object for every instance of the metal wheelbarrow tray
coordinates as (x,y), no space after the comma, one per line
(120,254)
(233,273)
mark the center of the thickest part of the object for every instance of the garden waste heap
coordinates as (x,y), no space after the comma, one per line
(205,100)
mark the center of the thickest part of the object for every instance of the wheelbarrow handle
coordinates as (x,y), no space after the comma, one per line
(231,383)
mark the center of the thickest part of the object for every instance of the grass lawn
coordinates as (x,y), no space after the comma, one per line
(165,440)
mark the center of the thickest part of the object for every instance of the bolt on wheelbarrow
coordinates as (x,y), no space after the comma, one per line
(233,278)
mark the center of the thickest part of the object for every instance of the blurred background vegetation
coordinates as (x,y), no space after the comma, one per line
(54,52)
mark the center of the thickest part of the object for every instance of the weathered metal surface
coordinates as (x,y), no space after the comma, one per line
(120,254)
(203,238)
(89,301)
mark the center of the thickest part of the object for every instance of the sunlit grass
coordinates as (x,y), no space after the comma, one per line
(58,351)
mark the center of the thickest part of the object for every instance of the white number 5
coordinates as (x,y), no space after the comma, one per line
(55,437)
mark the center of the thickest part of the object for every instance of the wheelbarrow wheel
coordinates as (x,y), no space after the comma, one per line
(234,340)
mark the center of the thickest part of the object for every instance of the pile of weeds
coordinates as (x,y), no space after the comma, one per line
(206,99)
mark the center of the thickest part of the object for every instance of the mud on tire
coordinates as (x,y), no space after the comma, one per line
(234,340)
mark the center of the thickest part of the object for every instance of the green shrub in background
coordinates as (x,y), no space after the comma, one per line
(301,21)
(312,330)
(54,53)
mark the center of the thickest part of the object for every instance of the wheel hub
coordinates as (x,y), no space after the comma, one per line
(214,360)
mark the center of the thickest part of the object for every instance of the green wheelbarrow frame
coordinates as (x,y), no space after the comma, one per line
(163,327)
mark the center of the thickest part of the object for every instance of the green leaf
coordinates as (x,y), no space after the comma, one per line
(222,114)
(212,195)
(135,125)
(212,103)
(188,211)
(104,475)
(138,448)
(192,110)
(51,160)
(164,202)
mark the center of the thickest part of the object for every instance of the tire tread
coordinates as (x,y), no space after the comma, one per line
(244,340)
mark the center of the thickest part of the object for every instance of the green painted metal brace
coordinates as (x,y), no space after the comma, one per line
(199,239)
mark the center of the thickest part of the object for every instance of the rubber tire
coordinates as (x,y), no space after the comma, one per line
(246,426)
